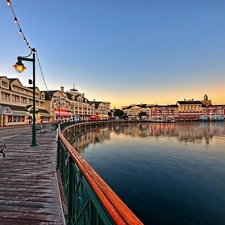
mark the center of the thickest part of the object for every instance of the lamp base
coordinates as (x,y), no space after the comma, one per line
(34,144)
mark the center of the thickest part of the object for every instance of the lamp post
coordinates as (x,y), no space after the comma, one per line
(19,66)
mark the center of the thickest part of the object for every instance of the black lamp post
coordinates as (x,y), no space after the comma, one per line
(20,68)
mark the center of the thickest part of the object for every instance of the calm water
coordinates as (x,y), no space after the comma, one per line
(165,173)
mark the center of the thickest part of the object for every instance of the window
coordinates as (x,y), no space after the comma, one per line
(23,100)
(15,98)
(5,96)
(5,84)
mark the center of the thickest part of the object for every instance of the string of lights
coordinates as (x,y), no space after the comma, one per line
(16,21)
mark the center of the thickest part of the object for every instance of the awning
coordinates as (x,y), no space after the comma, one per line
(45,115)
(20,113)
(63,114)
(5,110)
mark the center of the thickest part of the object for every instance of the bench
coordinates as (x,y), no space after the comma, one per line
(2,147)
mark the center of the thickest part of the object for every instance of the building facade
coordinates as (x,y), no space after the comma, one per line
(189,109)
(185,110)
(16,103)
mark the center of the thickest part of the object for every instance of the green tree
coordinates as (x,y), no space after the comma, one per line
(142,114)
(119,113)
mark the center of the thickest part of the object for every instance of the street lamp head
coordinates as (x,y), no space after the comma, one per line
(19,67)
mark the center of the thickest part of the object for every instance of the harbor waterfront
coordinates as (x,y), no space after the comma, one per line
(165,173)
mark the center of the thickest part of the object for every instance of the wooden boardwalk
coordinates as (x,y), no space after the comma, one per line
(29,192)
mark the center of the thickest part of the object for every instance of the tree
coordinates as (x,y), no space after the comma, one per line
(118,113)
(142,114)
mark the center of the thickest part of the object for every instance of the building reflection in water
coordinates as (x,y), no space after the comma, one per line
(197,132)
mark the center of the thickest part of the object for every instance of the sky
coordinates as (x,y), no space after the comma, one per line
(121,51)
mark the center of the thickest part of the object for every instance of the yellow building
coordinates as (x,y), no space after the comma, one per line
(16,103)
(18,99)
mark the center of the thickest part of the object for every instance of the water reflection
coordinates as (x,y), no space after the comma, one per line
(165,173)
(199,132)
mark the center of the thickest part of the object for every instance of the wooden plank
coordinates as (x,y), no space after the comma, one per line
(28,182)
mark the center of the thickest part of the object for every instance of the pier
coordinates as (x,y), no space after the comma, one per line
(29,190)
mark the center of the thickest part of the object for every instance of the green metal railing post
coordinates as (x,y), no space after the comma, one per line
(58,149)
(70,193)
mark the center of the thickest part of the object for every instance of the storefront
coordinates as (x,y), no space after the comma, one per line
(5,113)
(62,114)
(43,116)
(18,117)
(13,115)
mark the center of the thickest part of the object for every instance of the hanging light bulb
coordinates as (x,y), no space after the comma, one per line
(20,31)
(15,20)
(8,2)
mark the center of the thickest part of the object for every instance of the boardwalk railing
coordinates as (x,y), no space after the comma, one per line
(89,199)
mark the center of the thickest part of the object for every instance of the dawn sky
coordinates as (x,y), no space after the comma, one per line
(121,51)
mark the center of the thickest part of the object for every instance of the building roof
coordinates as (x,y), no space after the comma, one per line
(42,111)
(49,94)
(189,102)
(141,105)
(96,103)
(173,105)
(206,102)
(165,106)
(15,107)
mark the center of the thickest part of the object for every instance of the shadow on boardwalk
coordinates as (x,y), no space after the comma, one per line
(29,192)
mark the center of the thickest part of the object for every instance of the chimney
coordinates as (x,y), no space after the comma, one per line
(62,89)
(73,89)
(82,94)
(93,100)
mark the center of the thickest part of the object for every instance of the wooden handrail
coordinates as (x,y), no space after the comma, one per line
(117,209)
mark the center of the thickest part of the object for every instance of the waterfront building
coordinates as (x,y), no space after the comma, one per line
(189,109)
(163,112)
(101,109)
(186,110)
(16,103)
(214,111)
(72,105)
(16,106)
(134,110)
